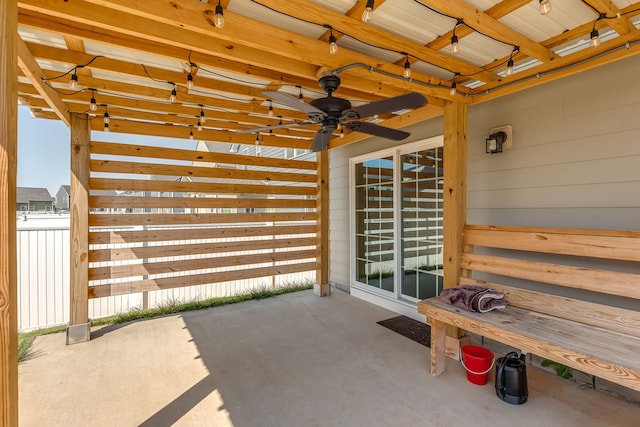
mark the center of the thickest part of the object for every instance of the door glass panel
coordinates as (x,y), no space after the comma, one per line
(375,261)
(421,225)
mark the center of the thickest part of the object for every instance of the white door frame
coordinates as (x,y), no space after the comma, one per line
(393,301)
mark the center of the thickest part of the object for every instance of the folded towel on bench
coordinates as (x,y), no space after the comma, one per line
(474,298)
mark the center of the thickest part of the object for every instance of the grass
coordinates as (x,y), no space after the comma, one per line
(26,339)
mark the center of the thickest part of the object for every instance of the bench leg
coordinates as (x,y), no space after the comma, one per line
(438,346)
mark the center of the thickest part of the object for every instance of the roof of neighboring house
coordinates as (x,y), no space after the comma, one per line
(33,194)
(66,188)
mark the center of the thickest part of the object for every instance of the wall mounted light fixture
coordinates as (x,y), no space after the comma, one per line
(500,138)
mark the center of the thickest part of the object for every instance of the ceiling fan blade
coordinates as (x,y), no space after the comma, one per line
(408,100)
(321,141)
(293,102)
(381,131)
(268,128)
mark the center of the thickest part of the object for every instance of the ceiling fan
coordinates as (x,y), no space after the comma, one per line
(330,112)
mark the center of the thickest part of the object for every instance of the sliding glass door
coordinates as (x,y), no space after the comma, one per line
(397,221)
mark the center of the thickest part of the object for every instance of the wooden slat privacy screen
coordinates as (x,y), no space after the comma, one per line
(164,218)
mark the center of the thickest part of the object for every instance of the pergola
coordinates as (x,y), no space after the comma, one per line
(162,68)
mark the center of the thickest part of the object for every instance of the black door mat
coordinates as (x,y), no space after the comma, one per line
(410,328)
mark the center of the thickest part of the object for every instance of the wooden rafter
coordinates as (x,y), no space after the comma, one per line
(31,69)
(492,27)
(620,23)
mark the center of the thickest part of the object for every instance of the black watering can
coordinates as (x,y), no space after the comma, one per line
(511,379)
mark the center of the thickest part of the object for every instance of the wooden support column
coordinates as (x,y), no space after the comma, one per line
(322,287)
(79,328)
(8,257)
(455,188)
(455,192)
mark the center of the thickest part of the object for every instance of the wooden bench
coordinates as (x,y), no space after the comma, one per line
(573,295)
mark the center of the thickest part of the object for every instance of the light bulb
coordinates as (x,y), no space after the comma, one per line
(453,89)
(407,69)
(341,133)
(455,46)
(92,104)
(368,11)
(106,127)
(202,116)
(218,19)
(545,7)
(73,83)
(271,113)
(333,45)
(199,127)
(174,95)
(189,81)
(190,134)
(106,118)
(510,67)
(595,38)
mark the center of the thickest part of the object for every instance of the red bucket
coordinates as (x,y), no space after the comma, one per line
(478,361)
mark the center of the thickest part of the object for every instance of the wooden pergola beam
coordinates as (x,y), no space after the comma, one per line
(8,255)
(492,27)
(311,11)
(31,69)
(282,51)
(621,24)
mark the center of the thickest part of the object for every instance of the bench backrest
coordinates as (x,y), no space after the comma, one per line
(567,255)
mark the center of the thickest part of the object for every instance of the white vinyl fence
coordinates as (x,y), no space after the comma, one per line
(43,245)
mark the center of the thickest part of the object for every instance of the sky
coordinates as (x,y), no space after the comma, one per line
(43,150)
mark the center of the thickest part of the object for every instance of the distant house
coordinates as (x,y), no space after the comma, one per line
(33,199)
(63,197)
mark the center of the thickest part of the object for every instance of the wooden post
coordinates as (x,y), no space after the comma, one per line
(8,257)
(79,328)
(455,195)
(455,188)
(322,287)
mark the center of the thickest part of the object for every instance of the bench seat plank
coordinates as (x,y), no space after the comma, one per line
(606,317)
(614,357)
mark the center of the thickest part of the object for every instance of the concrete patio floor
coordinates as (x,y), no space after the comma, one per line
(292,360)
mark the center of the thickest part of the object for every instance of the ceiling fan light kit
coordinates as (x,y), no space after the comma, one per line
(332,112)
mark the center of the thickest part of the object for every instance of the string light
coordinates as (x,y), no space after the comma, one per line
(368,11)
(92,104)
(73,83)
(106,127)
(510,64)
(341,133)
(595,38)
(595,35)
(454,87)
(258,144)
(407,68)
(189,81)
(218,19)
(333,43)
(455,46)
(199,126)
(106,118)
(202,116)
(271,113)
(174,95)
(300,96)
(191,133)
(545,7)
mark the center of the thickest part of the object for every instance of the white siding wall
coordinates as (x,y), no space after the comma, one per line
(575,160)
